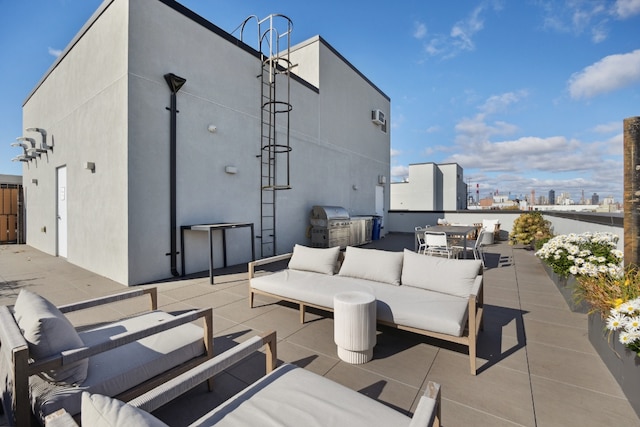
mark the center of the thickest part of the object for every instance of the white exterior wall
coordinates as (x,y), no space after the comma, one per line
(421,192)
(430,187)
(119,218)
(82,105)
(453,188)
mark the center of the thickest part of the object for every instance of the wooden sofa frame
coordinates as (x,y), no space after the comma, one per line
(428,412)
(469,337)
(16,400)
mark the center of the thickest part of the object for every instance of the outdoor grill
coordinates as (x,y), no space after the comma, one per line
(329,227)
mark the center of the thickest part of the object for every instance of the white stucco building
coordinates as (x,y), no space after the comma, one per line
(101,197)
(430,187)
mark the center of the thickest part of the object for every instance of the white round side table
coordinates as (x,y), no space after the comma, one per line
(354,326)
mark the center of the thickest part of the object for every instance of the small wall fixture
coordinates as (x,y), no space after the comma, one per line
(232,170)
(90,166)
(355,187)
(212,128)
(34,181)
(382,179)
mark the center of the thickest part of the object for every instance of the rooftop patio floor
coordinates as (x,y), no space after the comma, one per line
(536,365)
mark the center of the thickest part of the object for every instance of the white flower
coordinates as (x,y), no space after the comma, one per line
(625,338)
(627,308)
(615,321)
(632,324)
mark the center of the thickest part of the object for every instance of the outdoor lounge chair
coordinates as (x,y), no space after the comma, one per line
(287,396)
(46,364)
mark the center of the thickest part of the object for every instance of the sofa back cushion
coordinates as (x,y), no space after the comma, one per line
(103,411)
(48,332)
(372,264)
(317,260)
(449,276)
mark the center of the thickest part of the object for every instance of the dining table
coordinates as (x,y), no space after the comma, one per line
(450,230)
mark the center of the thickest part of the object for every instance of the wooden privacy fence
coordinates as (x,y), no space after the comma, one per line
(9,213)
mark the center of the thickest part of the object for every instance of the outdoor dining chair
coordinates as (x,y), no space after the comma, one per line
(437,244)
(473,246)
(422,245)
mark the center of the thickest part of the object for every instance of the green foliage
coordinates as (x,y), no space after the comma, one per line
(530,227)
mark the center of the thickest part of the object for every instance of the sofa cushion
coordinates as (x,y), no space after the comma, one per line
(48,333)
(318,260)
(372,264)
(422,309)
(407,306)
(103,411)
(309,287)
(292,396)
(449,276)
(115,371)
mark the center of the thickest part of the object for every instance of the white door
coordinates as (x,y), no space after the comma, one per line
(380,203)
(62,211)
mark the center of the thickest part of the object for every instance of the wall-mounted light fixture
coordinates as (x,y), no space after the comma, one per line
(90,166)
(34,181)
(382,179)
(232,170)
(212,128)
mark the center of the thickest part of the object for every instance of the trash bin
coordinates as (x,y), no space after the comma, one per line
(375,231)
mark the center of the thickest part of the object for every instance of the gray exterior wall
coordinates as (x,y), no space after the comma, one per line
(105,101)
(82,103)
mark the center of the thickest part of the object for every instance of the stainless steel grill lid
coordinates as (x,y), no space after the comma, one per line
(329,212)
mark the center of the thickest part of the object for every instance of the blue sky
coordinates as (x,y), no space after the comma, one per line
(524,95)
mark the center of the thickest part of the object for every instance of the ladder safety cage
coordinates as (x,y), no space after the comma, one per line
(274,41)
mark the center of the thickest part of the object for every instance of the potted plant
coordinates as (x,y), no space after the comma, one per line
(529,228)
(614,325)
(570,257)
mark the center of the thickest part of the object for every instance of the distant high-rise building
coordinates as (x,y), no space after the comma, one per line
(552,197)
(595,199)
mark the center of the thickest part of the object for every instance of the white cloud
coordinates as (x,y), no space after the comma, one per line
(462,33)
(420,30)
(395,153)
(498,103)
(624,9)
(610,73)
(614,145)
(608,127)
(478,129)
(399,173)
(55,52)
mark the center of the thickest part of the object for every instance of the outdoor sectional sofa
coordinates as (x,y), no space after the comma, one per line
(286,396)
(46,363)
(433,296)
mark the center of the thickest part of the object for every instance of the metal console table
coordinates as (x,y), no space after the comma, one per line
(211,228)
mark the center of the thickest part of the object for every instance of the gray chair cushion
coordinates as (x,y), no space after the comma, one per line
(103,411)
(292,396)
(48,333)
(115,371)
